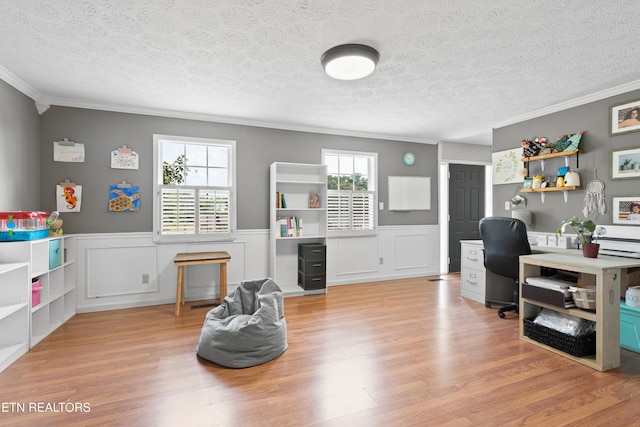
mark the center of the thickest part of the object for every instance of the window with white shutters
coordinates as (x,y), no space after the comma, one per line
(338,210)
(195,187)
(351,192)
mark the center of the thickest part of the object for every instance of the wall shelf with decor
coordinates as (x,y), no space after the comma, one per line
(541,158)
(542,191)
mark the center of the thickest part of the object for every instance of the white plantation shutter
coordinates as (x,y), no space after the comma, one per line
(178,211)
(213,216)
(347,210)
(338,210)
(362,210)
(182,216)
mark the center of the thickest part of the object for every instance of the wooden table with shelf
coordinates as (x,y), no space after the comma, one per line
(604,272)
(198,258)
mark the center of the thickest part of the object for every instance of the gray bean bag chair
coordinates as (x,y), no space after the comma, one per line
(248,329)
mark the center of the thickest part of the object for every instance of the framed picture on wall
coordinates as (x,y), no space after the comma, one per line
(506,166)
(624,118)
(625,163)
(626,210)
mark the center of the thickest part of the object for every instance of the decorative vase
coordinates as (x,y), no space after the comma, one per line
(537,182)
(590,250)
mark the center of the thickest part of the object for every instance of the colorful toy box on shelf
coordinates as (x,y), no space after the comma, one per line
(23,225)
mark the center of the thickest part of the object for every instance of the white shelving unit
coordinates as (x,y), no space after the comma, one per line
(14,312)
(58,296)
(296,181)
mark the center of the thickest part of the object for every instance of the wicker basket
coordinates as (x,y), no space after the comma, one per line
(583,345)
(585,298)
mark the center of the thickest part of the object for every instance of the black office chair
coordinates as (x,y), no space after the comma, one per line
(504,239)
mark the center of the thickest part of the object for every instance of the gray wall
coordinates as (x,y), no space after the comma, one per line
(101,132)
(19,151)
(593,119)
(455,152)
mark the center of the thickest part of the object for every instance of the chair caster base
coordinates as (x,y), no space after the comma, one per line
(501,312)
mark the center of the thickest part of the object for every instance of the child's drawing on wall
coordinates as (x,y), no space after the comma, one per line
(68,197)
(124,198)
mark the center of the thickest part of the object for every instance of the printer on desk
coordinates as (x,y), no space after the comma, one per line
(620,241)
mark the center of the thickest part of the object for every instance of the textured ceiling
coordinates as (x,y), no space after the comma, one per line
(449,70)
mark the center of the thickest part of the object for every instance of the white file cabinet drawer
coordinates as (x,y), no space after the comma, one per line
(473,285)
(473,274)
(472,257)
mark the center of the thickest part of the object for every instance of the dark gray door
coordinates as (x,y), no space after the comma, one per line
(466,207)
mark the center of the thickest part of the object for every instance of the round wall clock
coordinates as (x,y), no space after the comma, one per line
(408,159)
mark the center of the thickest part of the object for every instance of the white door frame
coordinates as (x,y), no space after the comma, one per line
(443,198)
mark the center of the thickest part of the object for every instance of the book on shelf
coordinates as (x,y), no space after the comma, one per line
(289,226)
(280,201)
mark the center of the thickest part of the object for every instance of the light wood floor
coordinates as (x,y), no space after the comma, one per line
(399,353)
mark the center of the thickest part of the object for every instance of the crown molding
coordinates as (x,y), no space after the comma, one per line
(597,96)
(18,84)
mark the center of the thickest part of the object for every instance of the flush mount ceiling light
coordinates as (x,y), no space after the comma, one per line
(350,61)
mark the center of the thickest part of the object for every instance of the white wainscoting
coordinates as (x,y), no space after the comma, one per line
(396,252)
(112,268)
(132,271)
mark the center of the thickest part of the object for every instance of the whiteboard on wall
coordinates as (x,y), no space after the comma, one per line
(409,193)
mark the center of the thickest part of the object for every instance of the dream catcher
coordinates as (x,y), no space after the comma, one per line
(594,200)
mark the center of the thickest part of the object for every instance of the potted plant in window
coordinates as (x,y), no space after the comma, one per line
(584,228)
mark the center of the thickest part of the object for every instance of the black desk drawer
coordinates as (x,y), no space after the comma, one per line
(312,282)
(312,267)
(312,251)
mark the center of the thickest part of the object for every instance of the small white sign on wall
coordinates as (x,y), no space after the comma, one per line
(409,193)
(506,166)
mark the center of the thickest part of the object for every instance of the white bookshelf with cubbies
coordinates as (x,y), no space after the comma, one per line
(14,312)
(51,262)
(298,214)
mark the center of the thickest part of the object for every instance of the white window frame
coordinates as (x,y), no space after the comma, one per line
(158,187)
(348,194)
